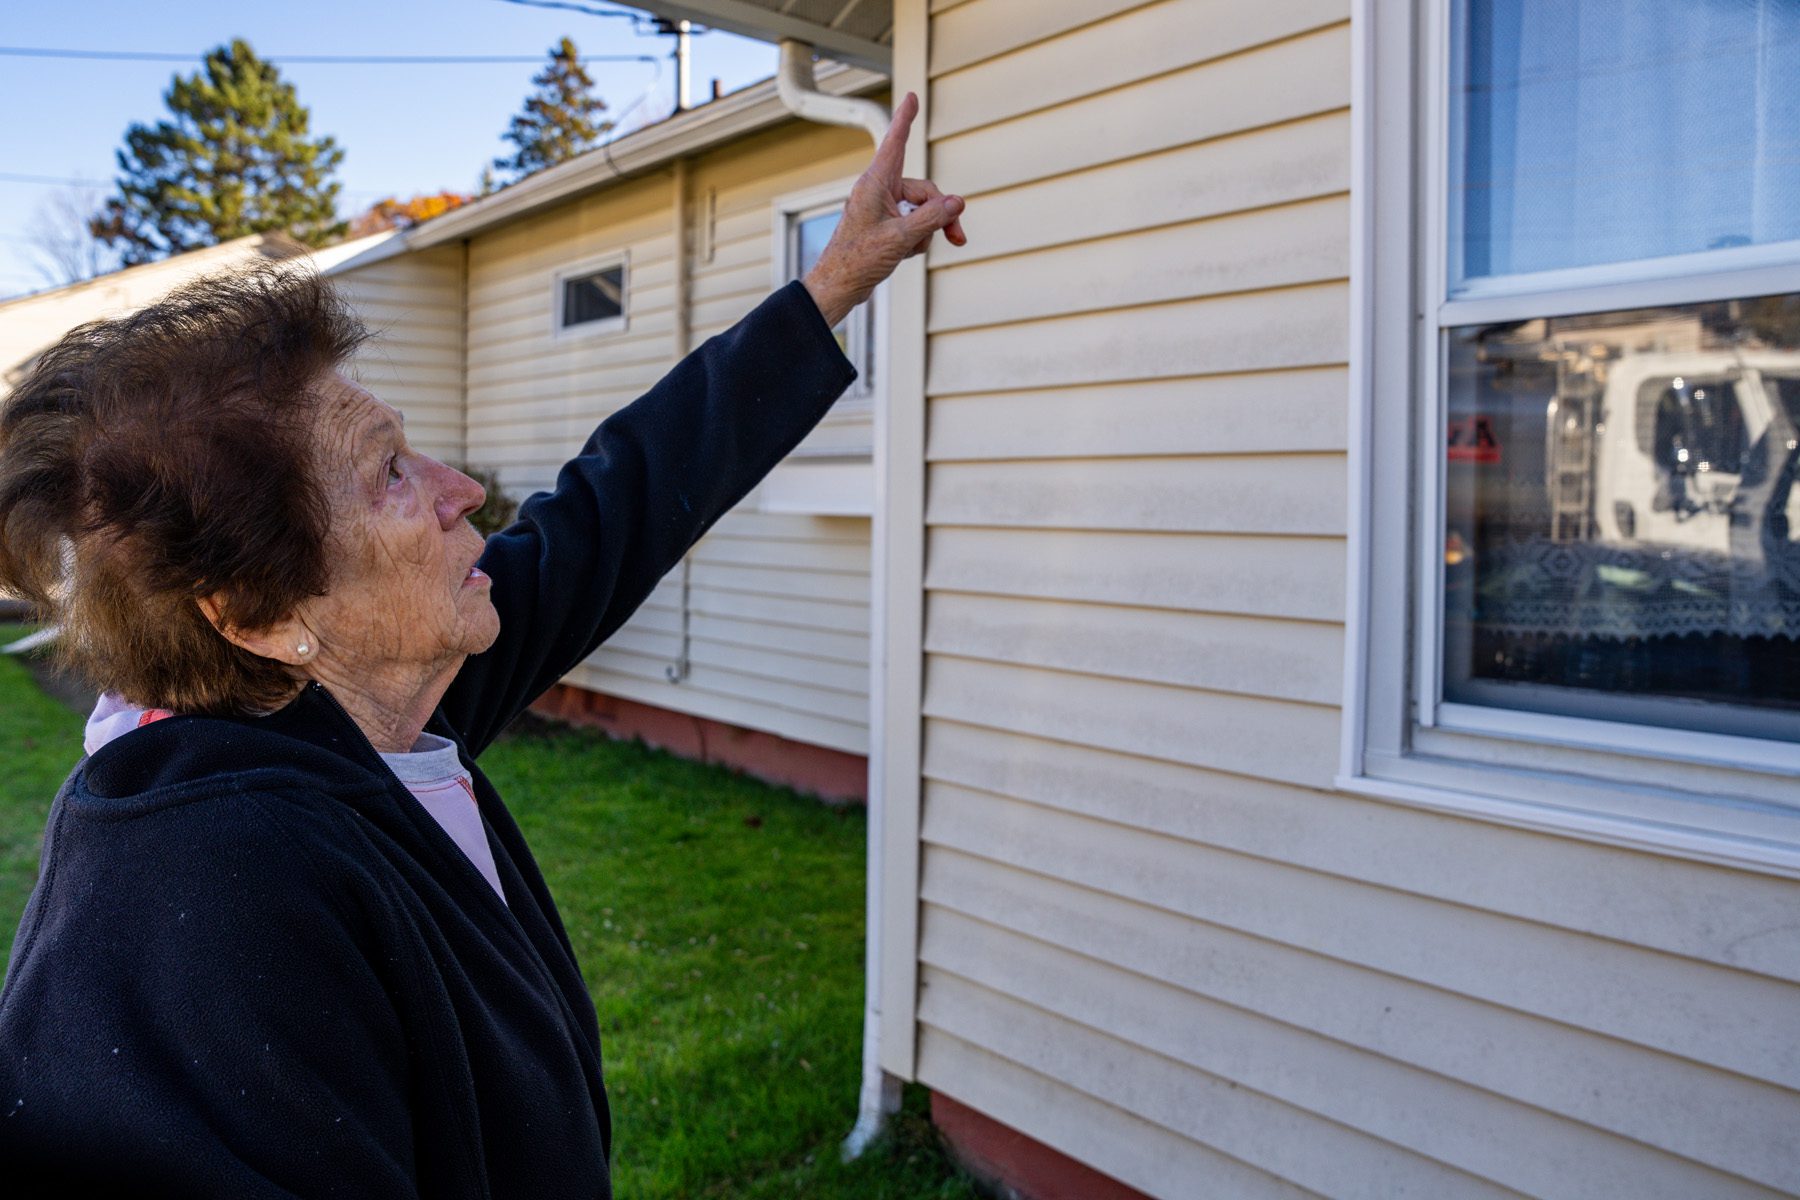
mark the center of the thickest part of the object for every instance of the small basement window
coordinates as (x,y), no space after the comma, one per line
(590,298)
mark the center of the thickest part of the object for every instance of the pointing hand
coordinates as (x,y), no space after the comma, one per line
(875,235)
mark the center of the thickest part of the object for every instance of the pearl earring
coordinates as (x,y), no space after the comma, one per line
(304,649)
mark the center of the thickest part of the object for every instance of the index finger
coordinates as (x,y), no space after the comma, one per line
(891,154)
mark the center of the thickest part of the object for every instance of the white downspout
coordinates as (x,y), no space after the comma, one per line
(798,90)
(880,1095)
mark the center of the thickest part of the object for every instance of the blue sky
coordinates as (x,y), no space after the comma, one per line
(404,129)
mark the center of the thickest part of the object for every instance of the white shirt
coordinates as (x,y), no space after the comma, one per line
(431,771)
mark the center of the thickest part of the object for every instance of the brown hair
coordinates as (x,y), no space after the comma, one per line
(164,456)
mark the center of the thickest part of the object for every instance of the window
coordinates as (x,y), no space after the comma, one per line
(831,472)
(590,297)
(1624,549)
(1580,379)
(806,233)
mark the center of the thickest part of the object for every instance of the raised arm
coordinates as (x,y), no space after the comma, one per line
(657,474)
(646,485)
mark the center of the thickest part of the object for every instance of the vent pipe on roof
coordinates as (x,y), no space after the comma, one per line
(799,91)
(684,71)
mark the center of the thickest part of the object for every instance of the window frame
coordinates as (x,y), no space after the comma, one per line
(1718,797)
(591,265)
(786,212)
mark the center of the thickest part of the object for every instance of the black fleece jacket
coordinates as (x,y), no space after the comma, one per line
(254,966)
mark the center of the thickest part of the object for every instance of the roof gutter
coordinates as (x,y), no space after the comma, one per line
(756,107)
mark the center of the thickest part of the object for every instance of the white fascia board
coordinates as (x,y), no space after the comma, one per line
(347,256)
(755,21)
(744,112)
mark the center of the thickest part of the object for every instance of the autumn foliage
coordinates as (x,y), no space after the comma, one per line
(394,213)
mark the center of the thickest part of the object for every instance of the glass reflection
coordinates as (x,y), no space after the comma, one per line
(596,297)
(810,237)
(1621,515)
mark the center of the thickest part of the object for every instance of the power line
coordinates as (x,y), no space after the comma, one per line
(104,184)
(17,177)
(636,18)
(13,177)
(355,59)
(642,24)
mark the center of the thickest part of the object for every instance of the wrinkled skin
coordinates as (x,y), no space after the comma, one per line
(402,611)
(873,237)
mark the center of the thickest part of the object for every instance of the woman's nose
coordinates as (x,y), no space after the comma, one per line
(458,495)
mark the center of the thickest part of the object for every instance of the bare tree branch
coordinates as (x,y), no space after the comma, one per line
(63,248)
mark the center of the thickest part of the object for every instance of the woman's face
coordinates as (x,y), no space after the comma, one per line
(404,593)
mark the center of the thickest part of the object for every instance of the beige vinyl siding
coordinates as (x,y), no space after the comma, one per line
(1150,934)
(413,304)
(777,603)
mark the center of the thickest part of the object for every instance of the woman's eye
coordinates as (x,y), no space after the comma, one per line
(393,472)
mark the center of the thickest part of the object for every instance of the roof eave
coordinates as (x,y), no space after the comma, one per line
(747,111)
(752,20)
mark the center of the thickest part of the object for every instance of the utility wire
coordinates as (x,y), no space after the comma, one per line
(103,184)
(17,177)
(642,24)
(636,18)
(358,59)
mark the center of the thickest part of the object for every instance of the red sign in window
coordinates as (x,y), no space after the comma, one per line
(1472,440)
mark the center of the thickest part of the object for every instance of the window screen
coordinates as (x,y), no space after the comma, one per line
(1616,130)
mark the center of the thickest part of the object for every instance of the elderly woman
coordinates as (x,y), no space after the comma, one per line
(287,940)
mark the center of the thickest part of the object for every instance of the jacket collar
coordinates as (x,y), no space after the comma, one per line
(312,736)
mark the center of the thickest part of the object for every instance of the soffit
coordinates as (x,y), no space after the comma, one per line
(860,32)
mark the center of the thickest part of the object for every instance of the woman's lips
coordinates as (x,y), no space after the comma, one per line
(475,576)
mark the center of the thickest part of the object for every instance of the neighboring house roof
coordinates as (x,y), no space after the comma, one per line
(256,245)
(32,322)
(743,112)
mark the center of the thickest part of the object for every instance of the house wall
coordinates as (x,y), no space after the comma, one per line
(778,602)
(1150,934)
(413,303)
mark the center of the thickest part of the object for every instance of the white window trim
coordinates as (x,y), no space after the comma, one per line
(598,262)
(1717,798)
(782,210)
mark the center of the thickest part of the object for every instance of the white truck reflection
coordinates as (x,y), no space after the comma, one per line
(1695,451)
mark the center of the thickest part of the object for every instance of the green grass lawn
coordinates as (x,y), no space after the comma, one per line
(719,922)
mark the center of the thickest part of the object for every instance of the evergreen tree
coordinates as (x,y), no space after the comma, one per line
(235,159)
(561,119)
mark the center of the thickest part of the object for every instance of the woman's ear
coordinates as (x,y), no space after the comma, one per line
(287,641)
